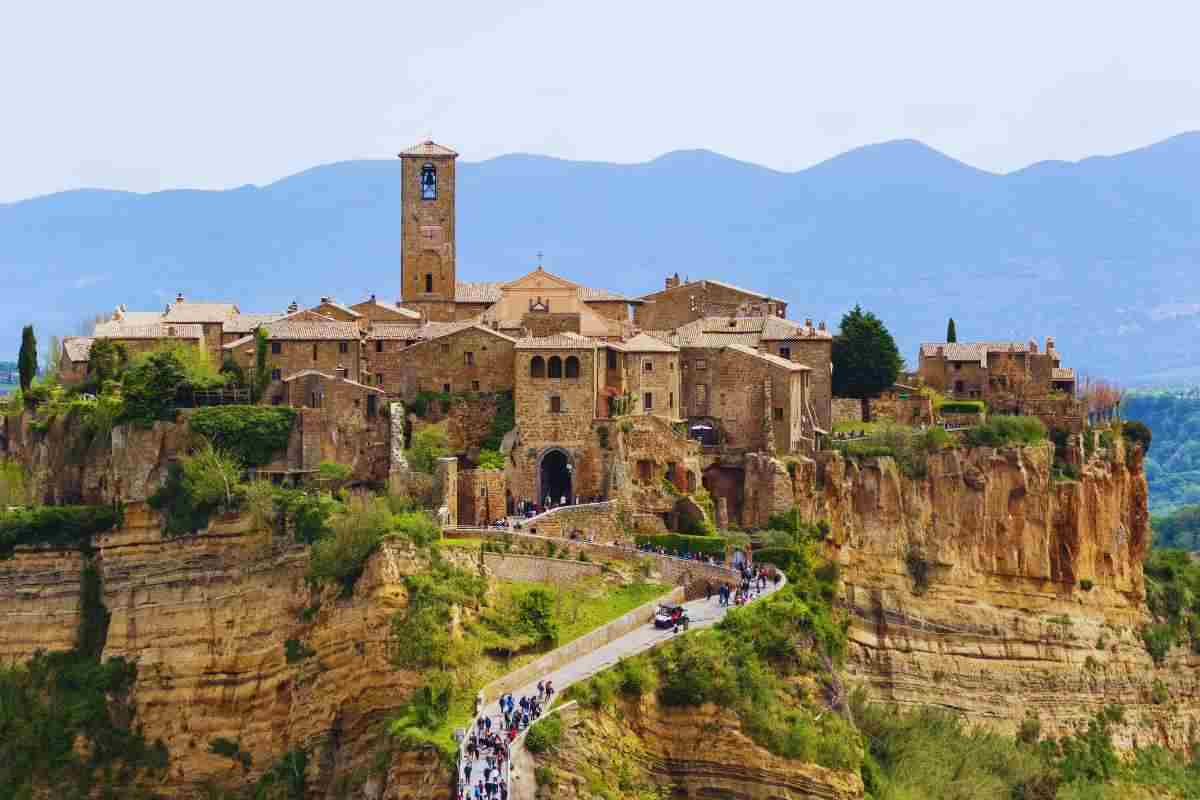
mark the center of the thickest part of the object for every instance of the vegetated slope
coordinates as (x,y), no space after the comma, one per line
(1173,464)
(1098,253)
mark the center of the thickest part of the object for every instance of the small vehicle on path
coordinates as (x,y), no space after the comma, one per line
(670,616)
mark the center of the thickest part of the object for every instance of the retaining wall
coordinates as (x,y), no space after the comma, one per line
(521,567)
(577,649)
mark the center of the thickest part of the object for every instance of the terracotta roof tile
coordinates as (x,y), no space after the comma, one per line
(157,330)
(770,358)
(246,323)
(477,291)
(315,330)
(428,148)
(77,348)
(645,343)
(722,284)
(393,307)
(971,351)
(559,341)
(200,312)
(391,331)
(339,307)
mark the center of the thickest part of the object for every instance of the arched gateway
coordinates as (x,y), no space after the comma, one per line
(554,473)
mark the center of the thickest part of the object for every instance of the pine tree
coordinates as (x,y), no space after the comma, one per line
(866,360)
(951,334)
(27,359)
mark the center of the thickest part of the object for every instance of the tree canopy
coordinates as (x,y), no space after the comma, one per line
(866,360)
(27,359)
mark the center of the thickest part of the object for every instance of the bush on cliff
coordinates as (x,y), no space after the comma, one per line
(255,434)
(1002,431)
(149,388)
(428,445)
(55,526)
(356,532)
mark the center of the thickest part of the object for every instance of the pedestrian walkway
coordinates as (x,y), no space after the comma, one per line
(519,783)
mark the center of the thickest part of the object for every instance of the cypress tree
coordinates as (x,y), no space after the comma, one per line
(27,360)
(951,334)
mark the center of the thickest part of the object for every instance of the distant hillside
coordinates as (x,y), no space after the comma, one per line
(1173,465)
(1101,253)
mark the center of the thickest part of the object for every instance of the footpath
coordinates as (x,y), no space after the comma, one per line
(517,774)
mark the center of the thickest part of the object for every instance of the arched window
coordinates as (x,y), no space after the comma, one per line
(572,367)
(537,367)
(428,182)
(555,370)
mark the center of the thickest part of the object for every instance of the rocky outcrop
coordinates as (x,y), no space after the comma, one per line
(207,618)
(696,752)
(989,587)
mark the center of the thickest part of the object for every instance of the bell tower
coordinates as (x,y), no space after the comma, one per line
(427,279)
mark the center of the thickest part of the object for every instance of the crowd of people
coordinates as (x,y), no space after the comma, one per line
(487,755)
(752,582)
(703,558)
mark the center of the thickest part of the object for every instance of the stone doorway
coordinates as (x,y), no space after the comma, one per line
(555,477)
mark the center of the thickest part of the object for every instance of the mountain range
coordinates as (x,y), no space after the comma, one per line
(1101,253)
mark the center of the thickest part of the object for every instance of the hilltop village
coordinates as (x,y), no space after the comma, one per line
(306,551)
(715,376)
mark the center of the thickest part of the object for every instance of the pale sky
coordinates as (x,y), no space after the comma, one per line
(154,95)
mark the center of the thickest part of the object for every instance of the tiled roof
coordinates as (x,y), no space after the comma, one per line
(339,307)
(971,351)
(722,284)
(776,329)
(140,317)
(559,341)
(438,330)
(1062,374)
(769,358)
(236,343)
(157,330)
(477,291)
(391,331)
(246,323)
(315,330)
(77,348)
(200,312)
(489,292)
(644,343)
(428,148)
(393,307)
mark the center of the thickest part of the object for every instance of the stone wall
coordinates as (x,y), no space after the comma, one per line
(545,323)
(445,490)
(481,496)
(673,307)
(847,409)
(469,420)
(598,521)
(912,410)
(653,377)
(815,353)
(472,360)
(521,567)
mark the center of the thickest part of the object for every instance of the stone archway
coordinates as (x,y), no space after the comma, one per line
(555,476)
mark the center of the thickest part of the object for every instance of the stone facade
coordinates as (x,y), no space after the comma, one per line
(681,303)
(543,323)
(474,359)
(529,568)
(481,496)
(427,238)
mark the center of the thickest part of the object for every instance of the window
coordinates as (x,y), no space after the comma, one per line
(428,182)
(671,366)
(276,400)
(958,387)
(474,386)
(445,349)
(554,370)
(957,366)
(671,400)
(276,374)
(314,400)
(648,401)
(785,352)
(378,380)
(647,366)
(537,367)
(343,347)
(470,358)
(701,363)
(314,351)
(342,372)
(572,367)
(428,282)
(777,414)
(612,359)
(379,345)
(370,406)
(446,388)
(555,404)
(276,348)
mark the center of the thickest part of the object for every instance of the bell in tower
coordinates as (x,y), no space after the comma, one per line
(427,273)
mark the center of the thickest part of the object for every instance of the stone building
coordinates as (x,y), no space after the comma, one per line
(467,357)
(998,372)
(682,302)
(303,341)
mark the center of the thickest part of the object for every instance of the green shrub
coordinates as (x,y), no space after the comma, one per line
(961,407)
(535,610)
(544,735)
(683,543)
(295,651)
(1001,431)
(491,459)
(421,633)
(783,557)
(254,434)
(149,388)
(230,749)
(333,472)
(428,445)
(55,526)
(356,532)
(1087,584)
(1157,640)
(504,420)
(1137,433)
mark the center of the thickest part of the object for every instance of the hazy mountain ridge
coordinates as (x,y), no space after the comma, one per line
(1089,252)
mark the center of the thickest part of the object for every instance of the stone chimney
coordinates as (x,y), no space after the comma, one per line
(1033,345)
(672,281)
(179,297)
(1049,344)
(941,351)
(372,297)
(118,314)
(808,323)
(324,300)
(293,307)
(821,325)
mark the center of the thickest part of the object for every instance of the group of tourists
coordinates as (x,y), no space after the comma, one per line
(752,582)
(684,554)
(489,744)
